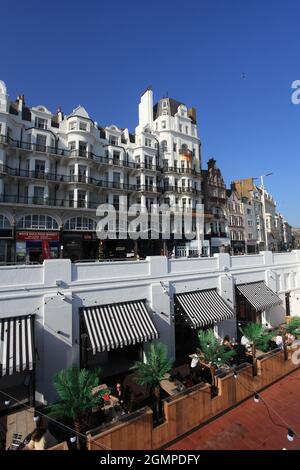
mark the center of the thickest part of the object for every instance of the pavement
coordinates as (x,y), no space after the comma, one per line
(249,426)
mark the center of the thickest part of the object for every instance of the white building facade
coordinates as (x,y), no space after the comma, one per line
(59,298)
(56,169)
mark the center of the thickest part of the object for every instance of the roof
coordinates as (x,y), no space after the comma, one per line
(172,107)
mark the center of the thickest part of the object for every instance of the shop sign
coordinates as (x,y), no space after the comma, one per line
(37,236)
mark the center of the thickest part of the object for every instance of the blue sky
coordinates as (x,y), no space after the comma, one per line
(234,60)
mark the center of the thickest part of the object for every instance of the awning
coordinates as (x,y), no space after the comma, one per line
(117,325)
(259,295)
(203,307)
(16,344)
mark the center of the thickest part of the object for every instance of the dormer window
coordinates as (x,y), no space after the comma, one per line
(164,104)
(40,123)
(163,124)
(113,140)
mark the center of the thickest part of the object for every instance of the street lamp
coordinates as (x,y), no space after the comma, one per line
(262,187)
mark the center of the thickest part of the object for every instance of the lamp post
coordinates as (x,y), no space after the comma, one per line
(262,187)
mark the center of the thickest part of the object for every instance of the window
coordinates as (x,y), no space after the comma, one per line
(116,202)
(180,127)
(148,142)
(40,123)
(164,146)
(4,222)
(39,222)
(164,104)
(80,223)
(41,143)
(39,168)
(249,211)
(72,125)
(116,158)
(81,202)
(0,127)
(71,198)
(38,194)
(163,124)
(250,236)
(113,140)
(186,129)
(250,223)
(82,149)
(174,147)
(116,179)
(82,126)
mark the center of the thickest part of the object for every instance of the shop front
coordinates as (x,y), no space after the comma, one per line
(35,246)
(6,245)
(6,240)
(80,245)
(217,242)
(252,247)
(238,247)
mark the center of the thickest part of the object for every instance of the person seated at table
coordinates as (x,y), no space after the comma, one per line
(226,342)
(240,354)
(41,438)
(120,395)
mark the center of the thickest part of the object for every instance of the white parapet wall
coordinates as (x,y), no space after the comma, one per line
(55,291)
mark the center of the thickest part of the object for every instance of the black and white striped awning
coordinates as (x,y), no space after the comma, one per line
(259,295)
(16,344)
(203,307)
(117,325)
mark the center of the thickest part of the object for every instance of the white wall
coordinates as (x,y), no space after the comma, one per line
(33,289)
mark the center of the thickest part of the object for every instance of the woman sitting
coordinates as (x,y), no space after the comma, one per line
(41,439)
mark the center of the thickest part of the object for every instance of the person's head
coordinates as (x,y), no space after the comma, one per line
(118,386)
(226,339)
(41,428)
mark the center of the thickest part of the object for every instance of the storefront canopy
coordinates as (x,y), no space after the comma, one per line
(16,344)
(259,295)
(203,307)
(118,325)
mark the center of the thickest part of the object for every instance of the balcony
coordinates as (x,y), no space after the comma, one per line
(180,171)
(46,201)
(177,189)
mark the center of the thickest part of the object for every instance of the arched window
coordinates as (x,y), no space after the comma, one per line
(80,223)
(4,222)
(37,222)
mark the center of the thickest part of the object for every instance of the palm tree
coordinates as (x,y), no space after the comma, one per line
(213,353)
(74,387)
(152,372)
(258,338)
(293,327)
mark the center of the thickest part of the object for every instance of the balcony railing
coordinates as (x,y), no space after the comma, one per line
(185,171)
(47,201)
(177,189)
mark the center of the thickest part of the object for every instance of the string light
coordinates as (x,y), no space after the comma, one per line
(290,435)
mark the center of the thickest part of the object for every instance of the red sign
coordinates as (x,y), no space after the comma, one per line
(38,236)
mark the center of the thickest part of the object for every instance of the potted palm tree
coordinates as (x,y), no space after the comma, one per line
(213,354)
(152,372)
(259,338)
(75,390)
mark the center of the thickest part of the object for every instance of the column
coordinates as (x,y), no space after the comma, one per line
(76,197)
